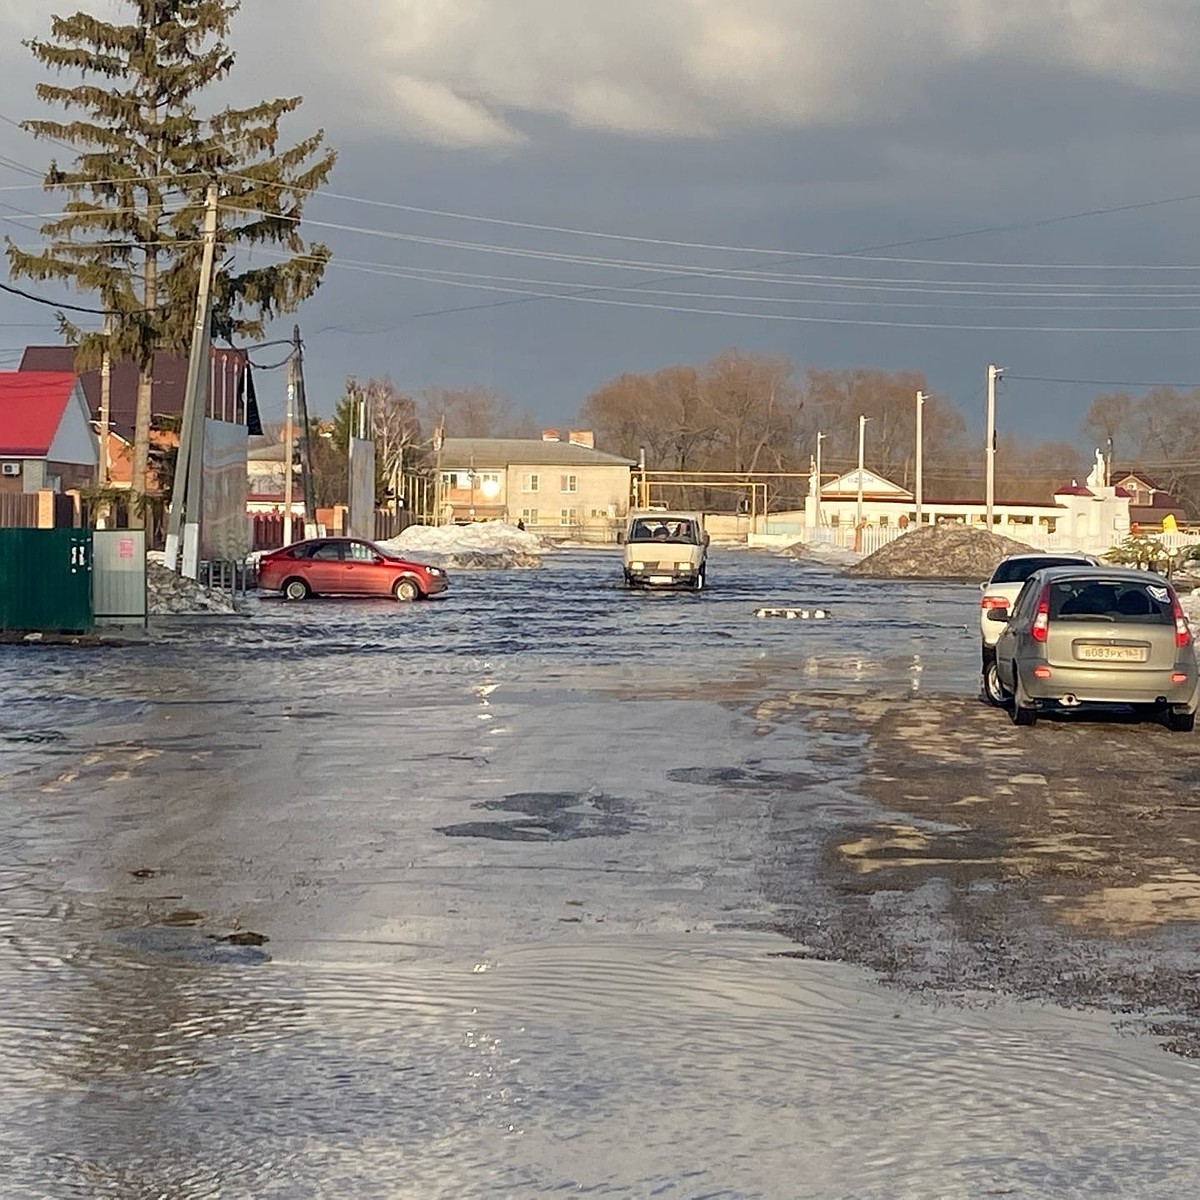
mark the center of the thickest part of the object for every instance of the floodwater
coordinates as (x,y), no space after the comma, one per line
(467,899)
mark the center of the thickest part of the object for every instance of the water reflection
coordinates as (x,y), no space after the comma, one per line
(323,774)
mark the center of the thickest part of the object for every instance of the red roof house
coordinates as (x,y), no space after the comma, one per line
(46,438)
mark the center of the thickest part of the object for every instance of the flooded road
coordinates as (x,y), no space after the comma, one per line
(542,888)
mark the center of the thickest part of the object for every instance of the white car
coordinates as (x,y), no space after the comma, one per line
(1001,591)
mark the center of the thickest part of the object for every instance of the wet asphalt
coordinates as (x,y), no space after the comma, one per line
(259,878)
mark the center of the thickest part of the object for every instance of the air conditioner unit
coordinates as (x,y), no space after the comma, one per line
(10,468)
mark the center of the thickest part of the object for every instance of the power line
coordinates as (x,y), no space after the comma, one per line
(1099,382)
(817,254)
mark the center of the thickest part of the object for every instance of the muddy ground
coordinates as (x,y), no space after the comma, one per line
(1058,862)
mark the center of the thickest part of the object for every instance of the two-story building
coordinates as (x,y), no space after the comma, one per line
(550,484)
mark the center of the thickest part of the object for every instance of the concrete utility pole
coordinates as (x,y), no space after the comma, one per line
(993,373)
(105,400)
(187,491)
(289,446)
(862,431)
(919,484)
(820,439)
(439,439)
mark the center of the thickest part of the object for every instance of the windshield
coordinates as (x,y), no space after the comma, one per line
(1017,570)
(664,529)
(1111,600)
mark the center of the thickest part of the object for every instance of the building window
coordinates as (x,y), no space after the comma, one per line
(834,521)
(529,516)
(570,483)
(569,516)
(449,479)
(883,522)
(599,512)
(531,483)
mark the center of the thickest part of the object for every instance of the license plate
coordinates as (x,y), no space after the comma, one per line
(1111,653)
(662,578)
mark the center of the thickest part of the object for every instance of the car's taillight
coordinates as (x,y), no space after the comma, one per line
(1183,634)
(993,602)
(1041,622)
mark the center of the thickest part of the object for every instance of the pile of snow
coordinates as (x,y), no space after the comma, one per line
(939,552)
(171,594)
(821,552)
(1190,602)
(482,544)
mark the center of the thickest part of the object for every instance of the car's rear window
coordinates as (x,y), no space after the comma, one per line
(1111,601)
(1017,570)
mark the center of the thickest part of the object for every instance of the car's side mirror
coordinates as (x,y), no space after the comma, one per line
(983,587)
(997,614)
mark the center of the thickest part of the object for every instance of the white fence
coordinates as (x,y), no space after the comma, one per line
(874,537)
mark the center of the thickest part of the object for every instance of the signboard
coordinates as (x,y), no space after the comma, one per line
(224,527)
(360,521)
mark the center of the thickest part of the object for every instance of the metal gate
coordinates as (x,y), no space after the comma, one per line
(119,576)
(46,580)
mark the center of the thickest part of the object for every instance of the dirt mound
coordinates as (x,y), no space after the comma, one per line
(939,552)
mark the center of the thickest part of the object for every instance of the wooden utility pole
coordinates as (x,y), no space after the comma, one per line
(183,524)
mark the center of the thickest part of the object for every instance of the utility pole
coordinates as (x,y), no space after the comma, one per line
(186,492)
(862,431)
(301,417)
(993,373)
(820,439)
(289,449)
(105,400)
(918,485)
(439,439)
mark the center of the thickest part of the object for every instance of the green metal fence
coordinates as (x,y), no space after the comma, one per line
(46,580)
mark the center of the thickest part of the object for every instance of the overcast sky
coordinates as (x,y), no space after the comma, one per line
(743,160)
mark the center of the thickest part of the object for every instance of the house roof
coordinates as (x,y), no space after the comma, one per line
(503,452)
(1074,489)
(32,404)
(170,381)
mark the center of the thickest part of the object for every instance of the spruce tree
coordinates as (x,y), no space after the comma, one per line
(130,229)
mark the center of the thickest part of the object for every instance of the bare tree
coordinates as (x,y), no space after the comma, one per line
(476,412)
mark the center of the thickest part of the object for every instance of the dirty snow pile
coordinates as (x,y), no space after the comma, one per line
(1191,605)
(939,552)
(824,553)
(492,544)
(171,594)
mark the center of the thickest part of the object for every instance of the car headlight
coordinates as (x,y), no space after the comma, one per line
(637,566)
(435,570)
(683,566)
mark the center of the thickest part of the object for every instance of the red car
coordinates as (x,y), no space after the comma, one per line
(338,566)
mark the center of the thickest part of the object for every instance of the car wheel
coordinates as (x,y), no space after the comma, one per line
(406,590)
(1024,711)
(296,589)
(993,689)
(1181,722)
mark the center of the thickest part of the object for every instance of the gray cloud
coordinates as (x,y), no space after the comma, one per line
(465,72)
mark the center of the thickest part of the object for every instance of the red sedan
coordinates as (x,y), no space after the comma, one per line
(346,567)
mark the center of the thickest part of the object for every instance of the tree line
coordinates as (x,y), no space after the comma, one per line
(736,413)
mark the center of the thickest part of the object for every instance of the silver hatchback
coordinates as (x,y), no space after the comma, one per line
(1097,635)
